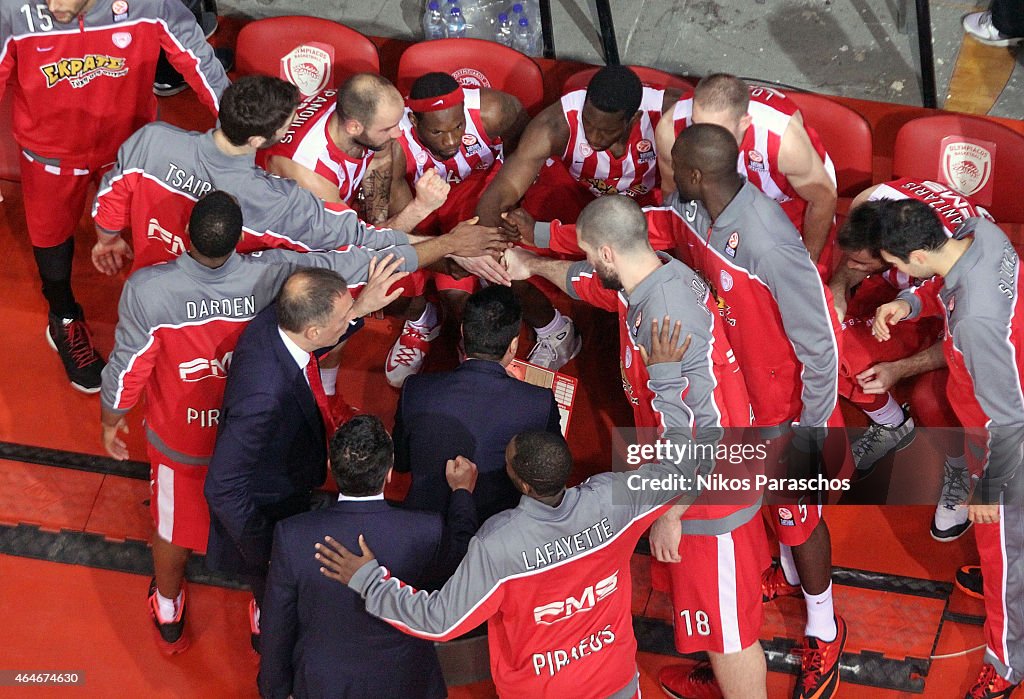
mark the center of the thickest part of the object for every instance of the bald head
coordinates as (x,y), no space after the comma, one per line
(616,221)
(308,298)
(362,95)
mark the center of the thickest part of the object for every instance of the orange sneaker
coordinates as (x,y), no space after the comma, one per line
(990,685)
(819,665)
(774,584)
(697,682)
(171,636)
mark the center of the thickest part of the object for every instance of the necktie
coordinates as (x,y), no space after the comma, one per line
(317,386)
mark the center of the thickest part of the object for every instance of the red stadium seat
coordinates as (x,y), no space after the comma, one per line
(978,157)
(475,63)
(648,76)
(329,53)
(846,136)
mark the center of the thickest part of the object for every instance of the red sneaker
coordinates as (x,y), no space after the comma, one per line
(697,682)
(819,665)
(409,353)
(990,685)
(170,634)
(340,409)
(773,584)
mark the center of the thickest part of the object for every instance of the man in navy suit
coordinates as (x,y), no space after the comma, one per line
(319,643)
(473,411)
(271,450)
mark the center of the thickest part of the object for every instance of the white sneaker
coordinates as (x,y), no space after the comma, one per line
(556,350)
(407,355)
(879,440)
(950,521)
(979,25)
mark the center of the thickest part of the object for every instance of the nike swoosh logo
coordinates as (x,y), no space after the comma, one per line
(43,49)
(437,103)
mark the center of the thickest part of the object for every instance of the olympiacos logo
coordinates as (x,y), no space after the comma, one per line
(966,165)
(471,77)
(308,67)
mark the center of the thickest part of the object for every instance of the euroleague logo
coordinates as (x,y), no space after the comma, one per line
(967,164)
(471,77)
(308,67)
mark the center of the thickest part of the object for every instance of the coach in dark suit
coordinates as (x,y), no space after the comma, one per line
(473,411)
(319,643)
(271,449)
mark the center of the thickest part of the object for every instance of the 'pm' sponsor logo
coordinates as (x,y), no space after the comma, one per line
(202,368)
(81,71)
(554,612)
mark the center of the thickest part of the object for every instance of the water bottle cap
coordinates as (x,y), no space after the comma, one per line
(456,10)
(523,22)
(433,5)
(517,8)
(503,17)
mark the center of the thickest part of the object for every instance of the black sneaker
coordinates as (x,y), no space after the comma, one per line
(71,338)
(169,82)
(970,581)
(170,634)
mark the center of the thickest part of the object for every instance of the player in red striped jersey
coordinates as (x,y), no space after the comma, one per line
(604,136)
(778,153)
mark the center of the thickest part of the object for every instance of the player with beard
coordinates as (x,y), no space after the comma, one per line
(81,73)
(340,147)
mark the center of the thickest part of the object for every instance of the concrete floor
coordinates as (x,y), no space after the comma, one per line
(846,47)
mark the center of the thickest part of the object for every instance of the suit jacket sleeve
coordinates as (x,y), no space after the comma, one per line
(401,434)
(279,624)
(251,424)
(554,425)
(459,528)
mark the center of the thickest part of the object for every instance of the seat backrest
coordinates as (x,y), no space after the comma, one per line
(846,136)
(648,76)
(475,63)
(311,52)
(971,154)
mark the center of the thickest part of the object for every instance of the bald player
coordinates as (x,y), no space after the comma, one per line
(777,153)
(339,146)
(782,327)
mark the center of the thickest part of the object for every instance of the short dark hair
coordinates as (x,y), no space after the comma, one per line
(615,221)
(710,149)
(491,320)
(908,225)
(542,460)
(307,298)
(432,85)
(721,92)
(215,224)
(862,229)
(361,454)
(615,90)
(256,105)
(359,97)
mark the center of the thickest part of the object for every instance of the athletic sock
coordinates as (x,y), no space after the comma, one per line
(168,607)
(428,319)
(556,325)
(54,265)
(889,415)
(788,565)
(329,379)
(821,616)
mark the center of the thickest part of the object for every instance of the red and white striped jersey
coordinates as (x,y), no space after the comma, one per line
(636,172)
(478,152)
(309,144)
(770,113)
(81,89)
(952,208)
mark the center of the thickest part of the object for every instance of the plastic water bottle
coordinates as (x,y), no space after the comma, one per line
(524,40)
(433,23)
(456,23)
(503,31)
